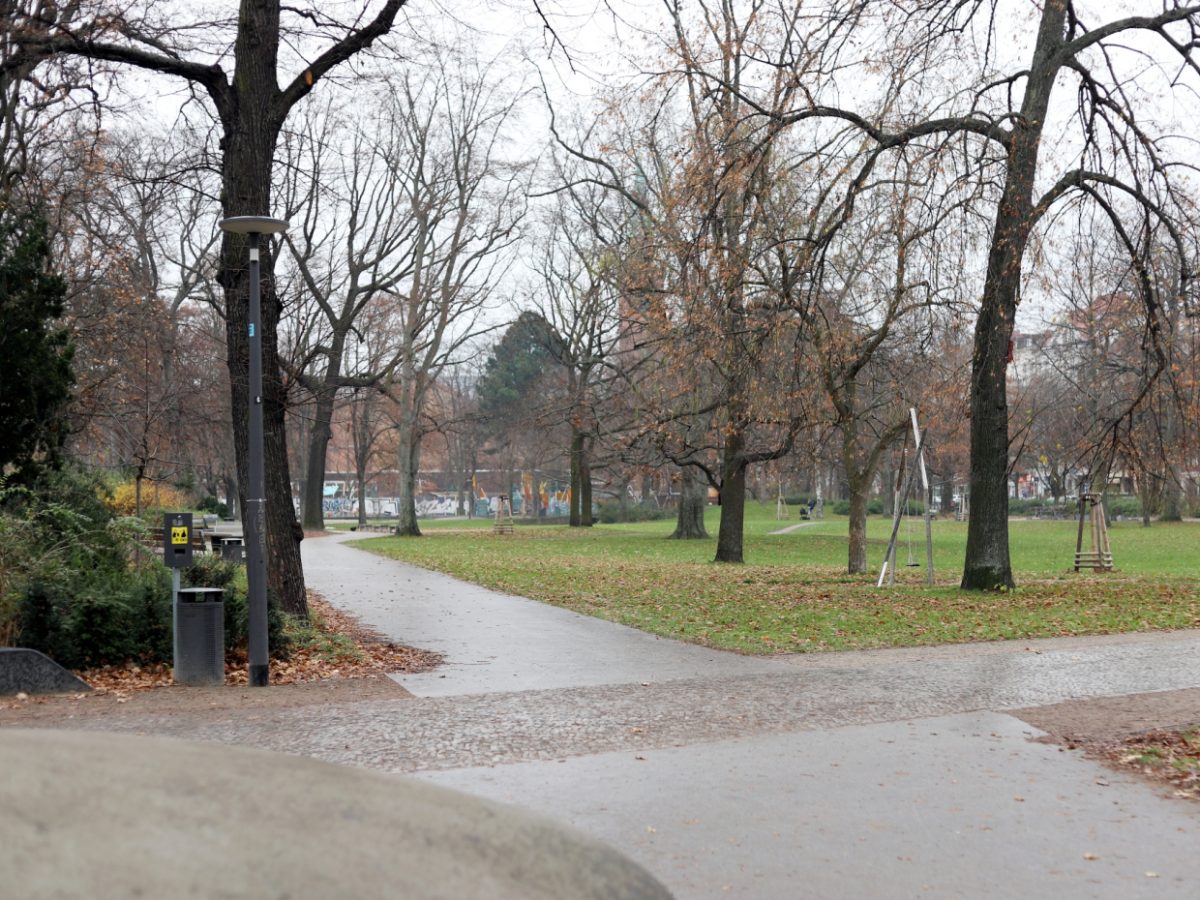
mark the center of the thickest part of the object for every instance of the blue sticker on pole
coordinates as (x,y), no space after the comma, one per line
(251,329)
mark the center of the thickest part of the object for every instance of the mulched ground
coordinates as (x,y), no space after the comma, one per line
(306,677)
(1155,737)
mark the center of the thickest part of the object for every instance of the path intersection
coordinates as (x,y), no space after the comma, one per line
(893,773)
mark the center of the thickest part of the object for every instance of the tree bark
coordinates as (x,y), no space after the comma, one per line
(988,565)
(246,180)
(585,485)
(313,500)
(857,563)
(409,459)
(733,500)
(575,518)
(581,481)
(689,524)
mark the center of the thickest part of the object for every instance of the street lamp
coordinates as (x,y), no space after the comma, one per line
(255,514)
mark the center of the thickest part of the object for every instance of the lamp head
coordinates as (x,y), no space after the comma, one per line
(253,225)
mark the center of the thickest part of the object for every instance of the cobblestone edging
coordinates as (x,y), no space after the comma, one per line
(414,734)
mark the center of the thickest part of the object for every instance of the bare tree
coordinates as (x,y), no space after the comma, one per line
(251,108)
(1111,148)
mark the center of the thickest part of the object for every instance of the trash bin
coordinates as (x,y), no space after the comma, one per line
(233,550)
(200,636)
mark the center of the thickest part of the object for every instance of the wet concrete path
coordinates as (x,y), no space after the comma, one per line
(890,773)
(871,774)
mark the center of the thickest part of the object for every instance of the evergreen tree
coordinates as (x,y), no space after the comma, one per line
(34,350)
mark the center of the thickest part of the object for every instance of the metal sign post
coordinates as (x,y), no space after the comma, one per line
(177,554)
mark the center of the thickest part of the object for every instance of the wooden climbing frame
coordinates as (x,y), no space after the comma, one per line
(1100,556)
(504,518)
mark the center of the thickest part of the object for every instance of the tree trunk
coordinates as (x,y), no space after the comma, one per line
(988,565)
(409,458)
(575,519)
(857,563)
(1172,498)
(733,501)
(251,130)
(693,491)
(585,485)
(360,479)
(313,501)
(232,501)
(581,481)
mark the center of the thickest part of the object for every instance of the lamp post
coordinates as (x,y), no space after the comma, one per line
(255,513)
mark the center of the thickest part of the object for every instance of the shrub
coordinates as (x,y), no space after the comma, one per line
(211,504)
(1125,507)
(41,620)
(842,507)
(156,498)
(100,630)
(212,571)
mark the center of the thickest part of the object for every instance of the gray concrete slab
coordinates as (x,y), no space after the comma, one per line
(495,642)
(115,816)
(31,672)
(959,806)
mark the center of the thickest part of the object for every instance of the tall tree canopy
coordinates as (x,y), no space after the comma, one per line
(37,353)
(235,64)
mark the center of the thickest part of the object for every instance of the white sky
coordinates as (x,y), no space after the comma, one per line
(604,36)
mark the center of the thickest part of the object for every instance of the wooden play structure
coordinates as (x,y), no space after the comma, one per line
(504,516)
(1099,557)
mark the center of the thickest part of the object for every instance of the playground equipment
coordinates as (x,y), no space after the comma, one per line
(504,517)
(889,559)
(1099,557)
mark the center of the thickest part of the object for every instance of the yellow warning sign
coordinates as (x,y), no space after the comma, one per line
(179,535)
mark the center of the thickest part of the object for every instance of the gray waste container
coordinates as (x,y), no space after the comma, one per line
(200,636)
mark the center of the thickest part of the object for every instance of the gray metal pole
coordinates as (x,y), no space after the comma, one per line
(255,514)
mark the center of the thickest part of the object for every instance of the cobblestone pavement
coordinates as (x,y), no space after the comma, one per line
(428,733)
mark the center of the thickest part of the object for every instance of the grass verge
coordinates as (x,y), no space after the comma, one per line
(794,595)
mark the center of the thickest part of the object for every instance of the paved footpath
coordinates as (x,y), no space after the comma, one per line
(877,774)
(874,774)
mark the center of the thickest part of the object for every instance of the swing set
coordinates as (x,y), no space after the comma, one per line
(900,508)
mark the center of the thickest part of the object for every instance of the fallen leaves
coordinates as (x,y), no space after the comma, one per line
(1166,756)
(366,653)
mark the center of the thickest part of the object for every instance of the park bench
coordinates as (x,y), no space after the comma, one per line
(385,529)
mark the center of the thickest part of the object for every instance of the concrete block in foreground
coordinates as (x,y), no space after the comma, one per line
(106,815)
(32,672)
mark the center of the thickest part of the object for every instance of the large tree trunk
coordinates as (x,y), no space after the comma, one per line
(575,518)
(232,493)
(988,565)
(857,563)
(693,491)
(313,500)
(409,459)
(1172,497)
(581,481)
(585,485)
(733,500)
(360,479)
(246,180)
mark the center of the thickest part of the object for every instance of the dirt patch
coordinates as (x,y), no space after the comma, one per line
(196,702)
(1151,736)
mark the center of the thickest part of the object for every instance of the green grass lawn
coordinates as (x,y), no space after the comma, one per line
(793,594)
